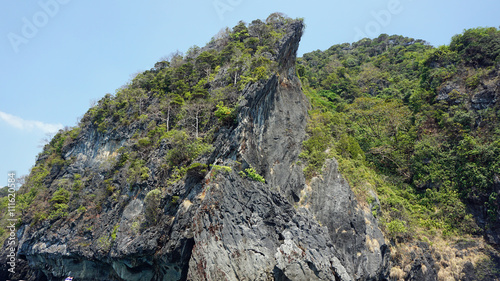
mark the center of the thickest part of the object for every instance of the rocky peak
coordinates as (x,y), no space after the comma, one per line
(289,45)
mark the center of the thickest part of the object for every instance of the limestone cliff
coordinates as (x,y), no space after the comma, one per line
(215,222)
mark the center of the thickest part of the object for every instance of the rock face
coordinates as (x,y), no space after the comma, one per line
(363,250)
(485,98)
(221,226)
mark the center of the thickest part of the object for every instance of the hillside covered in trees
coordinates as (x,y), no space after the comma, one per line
(424,119)
(228,162)
(418,123)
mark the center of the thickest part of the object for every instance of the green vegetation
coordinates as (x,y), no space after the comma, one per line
(225,114)
(320,138)
(59,211)
(175,200)
(252,174)
(113,233)
(77,184)
(152,205)
(104,243)
(137,171)
(60,196)
(81,209)
(399,115)
(396,228)
(185,150)
(216,169)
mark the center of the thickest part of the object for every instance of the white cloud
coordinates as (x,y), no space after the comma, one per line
(28,125)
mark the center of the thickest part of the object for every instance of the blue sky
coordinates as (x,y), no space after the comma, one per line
(56,56)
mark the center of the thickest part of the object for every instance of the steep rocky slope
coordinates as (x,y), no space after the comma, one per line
(216,219)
